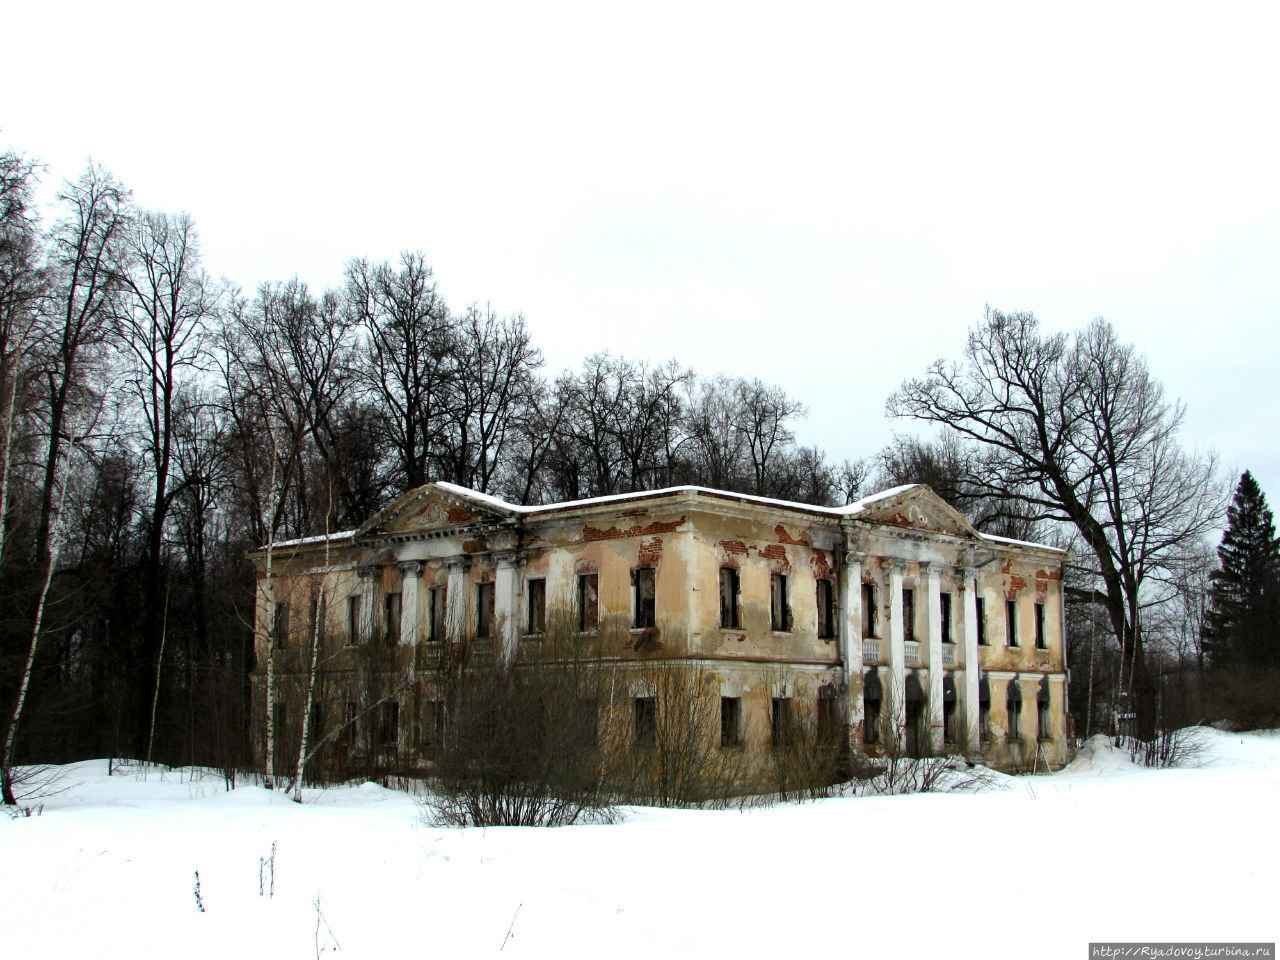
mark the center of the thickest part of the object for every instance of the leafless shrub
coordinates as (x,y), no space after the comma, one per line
(1183,747)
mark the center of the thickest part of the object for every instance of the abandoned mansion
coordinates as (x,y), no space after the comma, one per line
(891,620)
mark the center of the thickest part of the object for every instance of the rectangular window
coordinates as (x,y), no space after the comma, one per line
(353,620)
(1011,623)
(315,619)
(435,614)
(730,721)
(537,606)
(350,711)
(644,721)
(949,721)
(982,621)
(1014,708)
(588,602)
(870,622)
(870,717)
(1041,643)
(780,722)
(389,725)
(779,608)
(984,718)
(826,609)
(391,618)
(585,731)
(645,597)
(1043,731)
(728,598)
(432,723)
(944,603)
(828,716)
(484,609)
(908,614)
(280,624)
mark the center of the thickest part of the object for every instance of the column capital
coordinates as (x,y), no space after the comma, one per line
(366,571)
(966,573)
(891,563)
(459,561)
(929,567)
(411,568)
(506,558)
(855,556)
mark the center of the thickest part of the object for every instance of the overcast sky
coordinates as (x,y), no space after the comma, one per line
(824,197)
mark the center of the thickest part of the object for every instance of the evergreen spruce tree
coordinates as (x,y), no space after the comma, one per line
(1243,623)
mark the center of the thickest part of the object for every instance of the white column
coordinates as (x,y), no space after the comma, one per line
(456,600)
(972,665)
(851,635)
(897,691)
(506,602)
(933,601)
(410,601)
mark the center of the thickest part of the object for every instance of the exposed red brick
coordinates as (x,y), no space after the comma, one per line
(735,548)
(1015,584)
(591,534)
(474,546)
(783,537)
(650,552)
(458,515)
(821,564)
(1049,574)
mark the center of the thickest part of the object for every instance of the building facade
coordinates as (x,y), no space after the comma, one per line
(890,620)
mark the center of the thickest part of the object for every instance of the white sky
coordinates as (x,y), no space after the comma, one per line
(824,197)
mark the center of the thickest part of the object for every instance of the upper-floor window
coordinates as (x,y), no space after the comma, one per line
(1041,642)
(728,598)
(484,609)
(536,606)
(588,599)
(435,614)
(870,622)
(280,624)
(353,620)
(826,609)
(982,621)
(391,618)
(645,580)
(779,605)
(944,604)
(1011,623)
(908,614)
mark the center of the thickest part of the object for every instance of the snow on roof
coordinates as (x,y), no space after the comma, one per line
(1020,543)
(846,511)
(304,541)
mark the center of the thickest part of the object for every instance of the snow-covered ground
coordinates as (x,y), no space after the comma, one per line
(1036,866)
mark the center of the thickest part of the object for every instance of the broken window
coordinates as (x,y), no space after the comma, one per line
(280,624)
(826,609)
(829,724)
(1043,730)
(944,604)
(391,618)
(389,725)
(780,722)
(908,614)
(779,608)
(730,721)
(984,710)
(644,721)
(948,709)
(1011,623)
(645,596)
(1041,644)
(915,717)
(869,618)
(588,602)
(872,698)
(484,609)
(728,598)
(435,614)
(537,606)
(1013,704)
(353,620)
(982,621)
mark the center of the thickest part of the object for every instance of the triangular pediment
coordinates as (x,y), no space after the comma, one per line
(918,508)
(430,508)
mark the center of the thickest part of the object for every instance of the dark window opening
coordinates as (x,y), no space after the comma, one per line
(984,711)
(1011,623)
(826,610)
(730,721)
(779,609)
(645,596)
(389,727)
(982,621)
(280,624)
(780,722)
(588,602)
(585,732)
(829,726)
(872,700)
(644,721)
(908,614)
(1013,704)
(944,603)
(1043,729)
(869,618)
(537,604)
(432,723)
(353,620)
(315,619)
(728,598)
(391,618)
(1041,644)
(435,614)
(484,609)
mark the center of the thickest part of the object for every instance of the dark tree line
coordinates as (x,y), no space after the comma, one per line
(156,423)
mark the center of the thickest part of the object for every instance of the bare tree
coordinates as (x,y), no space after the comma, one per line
(1079,430)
